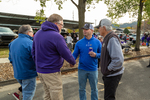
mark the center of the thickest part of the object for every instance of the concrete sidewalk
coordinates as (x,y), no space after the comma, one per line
(134,84)
(4,60)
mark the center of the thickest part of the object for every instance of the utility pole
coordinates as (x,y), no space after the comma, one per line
(73,15)
(95,22)
(144,26)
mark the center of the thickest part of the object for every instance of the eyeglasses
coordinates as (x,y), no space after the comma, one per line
(31,31)
(61,24)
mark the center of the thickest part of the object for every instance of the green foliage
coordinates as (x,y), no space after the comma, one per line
(126,31)
(117,25)
(4,52)
(128,27)
(40,16)
(146,9)
(71,31)
(82,6)
(140,8)
(59,3)
(118,8)
(91,4)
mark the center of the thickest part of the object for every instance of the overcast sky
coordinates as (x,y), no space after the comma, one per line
(69,11)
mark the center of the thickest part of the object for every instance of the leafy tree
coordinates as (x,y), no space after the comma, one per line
(118,8)
(81,6)
(126,31)
(145,25)
(71,31)
(128,27)
(40,16)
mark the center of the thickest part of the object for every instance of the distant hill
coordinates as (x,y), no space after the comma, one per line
(125,25)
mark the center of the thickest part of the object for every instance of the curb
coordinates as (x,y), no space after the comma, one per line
(13,81)
(135,57)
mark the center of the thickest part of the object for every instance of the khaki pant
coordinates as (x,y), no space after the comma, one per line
(52,84)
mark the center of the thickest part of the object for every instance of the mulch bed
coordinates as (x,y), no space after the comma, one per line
(144,51)
(6,70)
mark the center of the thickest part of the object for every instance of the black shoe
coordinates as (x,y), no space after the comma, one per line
(148,66)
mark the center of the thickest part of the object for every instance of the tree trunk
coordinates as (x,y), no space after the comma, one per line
(137,45)
(81,15)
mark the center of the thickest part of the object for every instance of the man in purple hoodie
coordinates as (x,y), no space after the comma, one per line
(49,51)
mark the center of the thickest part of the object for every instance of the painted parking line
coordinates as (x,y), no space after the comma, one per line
(74,75)
(100,83)
(101,90)
(103,84)
(120,82)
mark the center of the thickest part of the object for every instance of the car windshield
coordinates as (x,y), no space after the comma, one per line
(3,29)
(134,35)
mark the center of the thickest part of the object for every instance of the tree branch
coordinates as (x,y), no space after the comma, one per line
(74,3)
(85,1)
(136,5)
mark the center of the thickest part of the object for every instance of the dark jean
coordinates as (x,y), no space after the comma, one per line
(110,86)
(28,88)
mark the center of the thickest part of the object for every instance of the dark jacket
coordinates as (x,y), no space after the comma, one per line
(21,58)
(111,63)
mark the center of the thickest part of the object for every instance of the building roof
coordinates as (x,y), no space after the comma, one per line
(14,21)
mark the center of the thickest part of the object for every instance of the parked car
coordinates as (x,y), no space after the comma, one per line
(6,35)
(134,38)
(119,35)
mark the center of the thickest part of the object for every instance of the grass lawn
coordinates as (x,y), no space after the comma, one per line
(4,52)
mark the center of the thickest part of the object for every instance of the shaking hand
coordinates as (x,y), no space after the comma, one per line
(71,65)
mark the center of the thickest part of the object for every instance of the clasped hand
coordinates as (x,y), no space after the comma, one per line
(71,65)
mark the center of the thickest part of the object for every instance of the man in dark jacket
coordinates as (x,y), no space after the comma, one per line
(49,51)
(74,36)
(111,59)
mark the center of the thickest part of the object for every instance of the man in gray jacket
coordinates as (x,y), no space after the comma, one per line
(111,59)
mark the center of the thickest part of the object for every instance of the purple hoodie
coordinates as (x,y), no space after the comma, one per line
(49,49)
(148,39)
(143,38)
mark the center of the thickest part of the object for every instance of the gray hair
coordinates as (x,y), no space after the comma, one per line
(55,18)
(24,29)
(108,28)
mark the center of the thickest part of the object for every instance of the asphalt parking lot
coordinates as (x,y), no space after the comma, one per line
(134,85)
